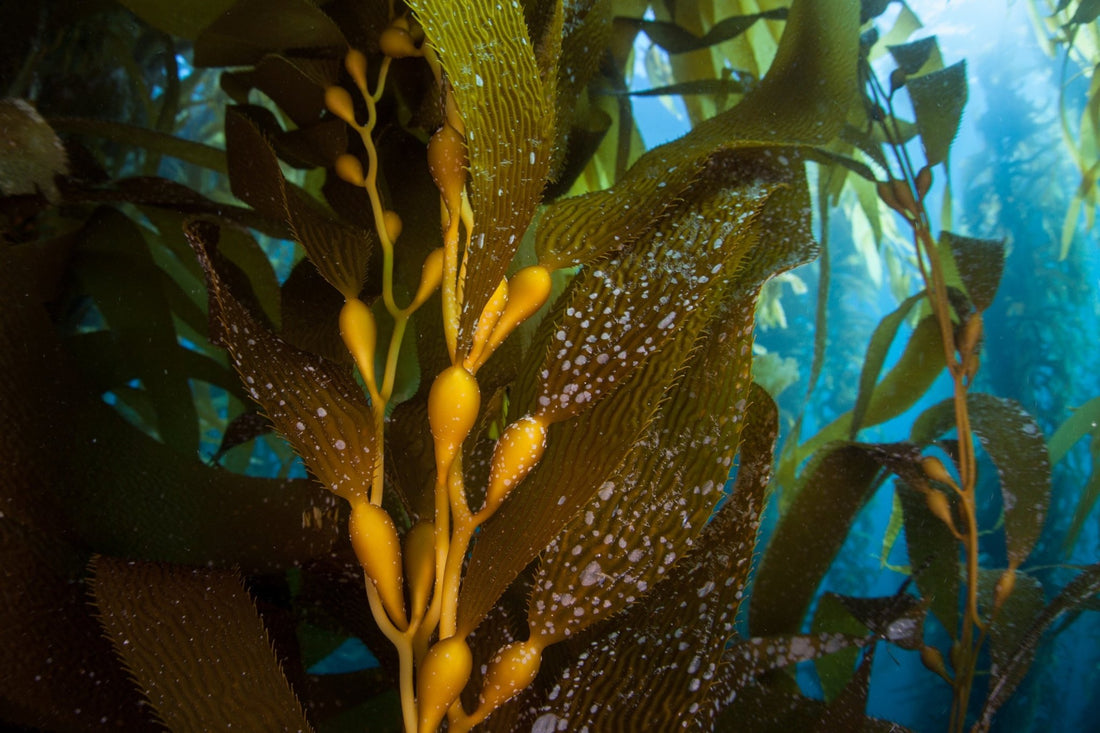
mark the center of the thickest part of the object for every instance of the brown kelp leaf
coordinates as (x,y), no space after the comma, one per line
(938,100)
(979,263)
(252,29)
(185,21)
(318,407)
(1016,445)
(655,666)
(1008,629)
(833,488)
(53,648)
(626,309)
(195,645)
(607,557)
(339,251)
(508,112)
(297,85)
(1005,676)
(812,78)
(933,556)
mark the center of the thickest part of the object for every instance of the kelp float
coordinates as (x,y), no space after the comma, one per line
(526,405)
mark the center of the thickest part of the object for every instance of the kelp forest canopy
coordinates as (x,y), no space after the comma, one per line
(366,365)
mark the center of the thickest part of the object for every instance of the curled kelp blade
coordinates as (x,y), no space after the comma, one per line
(802,101)
(654,665)
(507,108)
(586,451)
(317,406)
(196,647)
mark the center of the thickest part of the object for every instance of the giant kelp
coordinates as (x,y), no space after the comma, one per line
(525,407)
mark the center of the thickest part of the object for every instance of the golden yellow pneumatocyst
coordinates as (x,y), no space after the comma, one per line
(392,222)
(940,506)
(431,275)
(510,672)
(420,566)
(356,64)
(528,290)
(360,335)
(1005,585)
(396,42)
(519,450)
(934,469)
(339,103)
(349,168)
(378,548)
(443,673)
(453,405)
(447,163)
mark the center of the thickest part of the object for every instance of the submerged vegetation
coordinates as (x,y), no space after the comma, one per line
(514,353)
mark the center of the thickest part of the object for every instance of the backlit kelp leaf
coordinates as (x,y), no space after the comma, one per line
(933,557)
(906,382)
(508,113)
(698,86)
(195,646)
(339,251)
(1005,677)
(832,489)
(1082,422)
(812,78)
(675,39)
(916,57)
(834,671)
(938,100)
(654,668)
(318,407)
(252,29)
(627,309)
(1016,445)
(881,340)
(979,263)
